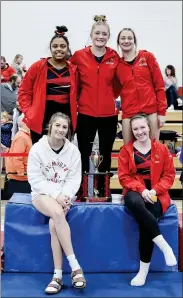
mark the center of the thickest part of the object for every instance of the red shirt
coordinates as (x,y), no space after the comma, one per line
(97,94)
(143,88)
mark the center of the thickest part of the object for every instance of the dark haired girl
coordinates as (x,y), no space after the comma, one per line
(49,86)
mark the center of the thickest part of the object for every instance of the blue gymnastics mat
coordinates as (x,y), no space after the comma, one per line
(32,285)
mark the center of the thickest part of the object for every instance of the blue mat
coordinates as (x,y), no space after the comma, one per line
(104,236)
(31,285)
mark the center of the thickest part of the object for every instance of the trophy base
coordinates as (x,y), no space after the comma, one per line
(97,199)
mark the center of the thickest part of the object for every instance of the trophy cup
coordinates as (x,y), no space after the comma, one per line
(96,160)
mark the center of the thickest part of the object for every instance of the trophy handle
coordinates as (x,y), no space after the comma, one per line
(101,159)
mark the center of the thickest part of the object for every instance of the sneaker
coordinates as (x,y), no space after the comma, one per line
(171,108)
(180,102)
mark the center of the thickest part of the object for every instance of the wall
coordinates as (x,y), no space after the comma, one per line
(27,27)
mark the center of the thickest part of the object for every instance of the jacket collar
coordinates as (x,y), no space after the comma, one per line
(140,54)
(71,66)
(109,52)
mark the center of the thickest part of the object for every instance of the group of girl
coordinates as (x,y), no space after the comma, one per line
(84,89)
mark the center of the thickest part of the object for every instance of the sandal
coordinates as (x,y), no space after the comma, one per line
(54,286)
(76,279)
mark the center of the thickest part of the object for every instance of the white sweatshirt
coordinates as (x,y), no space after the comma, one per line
(52,174)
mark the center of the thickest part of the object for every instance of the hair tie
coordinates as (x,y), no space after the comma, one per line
(60,33)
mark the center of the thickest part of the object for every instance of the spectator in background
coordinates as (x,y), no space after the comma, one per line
(6,70)
(6,127)
(9,94)
(19,66)
(49,86)
(180,157)
(18,164)
(16,113)
(142,85)
(171,87)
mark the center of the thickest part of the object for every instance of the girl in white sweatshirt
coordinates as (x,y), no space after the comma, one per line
(54,173)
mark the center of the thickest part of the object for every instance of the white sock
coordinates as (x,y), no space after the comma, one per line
(166,249)
(140,278)
(57,274)
(74,266)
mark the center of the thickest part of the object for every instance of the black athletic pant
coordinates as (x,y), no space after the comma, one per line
(87,127)
(52,107)
(146,215)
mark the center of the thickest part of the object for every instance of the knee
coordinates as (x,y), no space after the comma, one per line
(58,215)
(133,199)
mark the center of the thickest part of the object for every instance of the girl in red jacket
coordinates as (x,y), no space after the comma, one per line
(96,104)
(49,86)
(146,171)
(142,83)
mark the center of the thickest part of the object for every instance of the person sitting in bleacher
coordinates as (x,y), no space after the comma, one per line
(6,127)
(171,87)
(17,165)
(146,172)
(54,173)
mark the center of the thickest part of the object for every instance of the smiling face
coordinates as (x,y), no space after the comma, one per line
(168,71)
(140,129)
(59,129)
(126,40)
(59,49)
(100,35)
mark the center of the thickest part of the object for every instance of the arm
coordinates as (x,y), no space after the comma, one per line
(19,146)
(116,87)
(36,177)
(25,92)
(73,178)
(168,175)
(125,178)
(158,83)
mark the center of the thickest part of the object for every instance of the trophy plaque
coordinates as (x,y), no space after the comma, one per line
(96,160)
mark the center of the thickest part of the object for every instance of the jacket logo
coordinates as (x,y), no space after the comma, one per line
(142,62)
(111,61)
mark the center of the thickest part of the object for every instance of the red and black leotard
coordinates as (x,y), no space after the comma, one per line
(142,162)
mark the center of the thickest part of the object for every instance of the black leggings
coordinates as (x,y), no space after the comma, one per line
(146,215)
(52,107)
(87,127)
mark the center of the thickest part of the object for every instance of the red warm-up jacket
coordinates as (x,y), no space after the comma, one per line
(162,171)
(96,81)
(7,72)
(32,94)
(143,88)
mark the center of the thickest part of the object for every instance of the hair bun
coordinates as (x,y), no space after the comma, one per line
(61,30)
(100,18)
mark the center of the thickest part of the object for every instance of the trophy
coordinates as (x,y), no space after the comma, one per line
(96,160)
